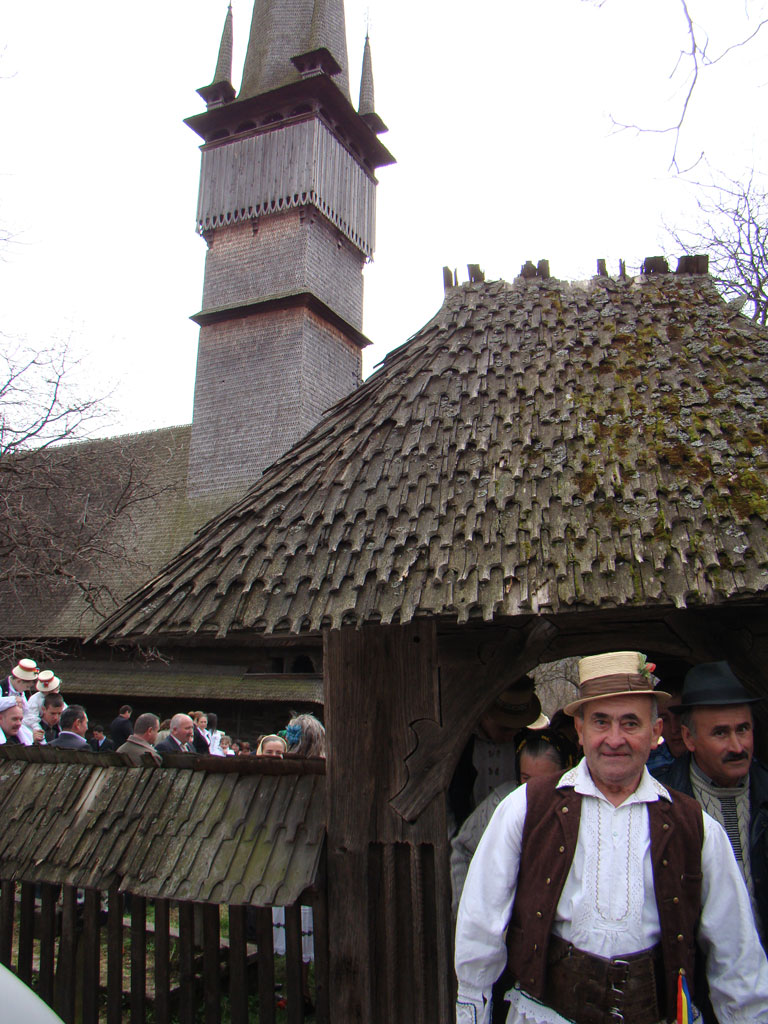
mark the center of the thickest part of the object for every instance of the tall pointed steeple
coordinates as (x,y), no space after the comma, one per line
(284,30)
(221,89)
(366,108)
(287,206)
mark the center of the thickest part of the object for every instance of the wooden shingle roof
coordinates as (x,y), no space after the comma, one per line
(223,830)
(536,447)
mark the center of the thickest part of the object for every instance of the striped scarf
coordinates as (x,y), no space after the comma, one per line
(730,807)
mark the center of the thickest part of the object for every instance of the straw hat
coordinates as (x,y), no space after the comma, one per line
(47,682)
(26,670)
(617,674)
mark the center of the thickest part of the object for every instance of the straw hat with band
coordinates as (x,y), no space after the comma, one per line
(26,670)
(617,674)
(47,682)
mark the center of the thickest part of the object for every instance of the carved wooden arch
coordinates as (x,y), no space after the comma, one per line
(738,634)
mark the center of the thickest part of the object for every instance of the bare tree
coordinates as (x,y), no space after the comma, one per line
(733,230)
(697,55)
(65,508)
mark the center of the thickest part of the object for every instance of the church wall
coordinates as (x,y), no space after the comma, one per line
(298,250)
(262,382)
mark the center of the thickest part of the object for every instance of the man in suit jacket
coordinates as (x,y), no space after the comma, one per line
(99,741)
(74,725)
(179,741)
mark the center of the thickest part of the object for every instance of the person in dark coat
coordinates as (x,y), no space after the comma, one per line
(121,727)
(179,740)
(99,741)
(722,773)
(74,725)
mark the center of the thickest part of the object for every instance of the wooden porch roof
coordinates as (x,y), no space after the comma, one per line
(213,829)
(538,447)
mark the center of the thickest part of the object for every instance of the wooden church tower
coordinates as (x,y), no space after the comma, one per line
(287,208)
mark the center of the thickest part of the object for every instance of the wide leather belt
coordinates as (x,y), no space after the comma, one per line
(589,989)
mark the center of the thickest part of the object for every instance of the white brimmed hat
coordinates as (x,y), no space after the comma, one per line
(26,670)
(47,682)
(617,674)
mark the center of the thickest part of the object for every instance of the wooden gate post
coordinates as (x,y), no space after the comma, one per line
(388,881)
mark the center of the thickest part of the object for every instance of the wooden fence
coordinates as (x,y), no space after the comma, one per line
(111,957)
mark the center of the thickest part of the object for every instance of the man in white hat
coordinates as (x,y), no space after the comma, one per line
(12,729)
(20,680)
(598,888)
(46,683)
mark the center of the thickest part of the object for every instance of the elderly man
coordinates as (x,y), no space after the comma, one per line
(179,741)
(12,729)
(603,883)
(142,740)
(74,725)
(720,771)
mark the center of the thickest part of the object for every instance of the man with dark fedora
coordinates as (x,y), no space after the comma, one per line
(597,886)
(721,773)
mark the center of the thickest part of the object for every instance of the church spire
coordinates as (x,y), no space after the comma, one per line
(223,71)
(221,90)
(366,108)
(282,34)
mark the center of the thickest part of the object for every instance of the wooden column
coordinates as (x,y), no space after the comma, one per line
(388,886)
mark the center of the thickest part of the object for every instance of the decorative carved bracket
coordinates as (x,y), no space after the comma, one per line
(467,688)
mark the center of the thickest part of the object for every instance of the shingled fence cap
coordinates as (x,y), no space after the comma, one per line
(616,674)
(709,685)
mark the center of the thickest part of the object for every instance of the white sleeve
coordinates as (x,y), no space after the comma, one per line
(737,970)
(485,908)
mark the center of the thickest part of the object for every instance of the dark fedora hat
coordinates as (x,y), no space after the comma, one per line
(710,685)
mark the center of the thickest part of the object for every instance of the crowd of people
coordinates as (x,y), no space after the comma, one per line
(33,712)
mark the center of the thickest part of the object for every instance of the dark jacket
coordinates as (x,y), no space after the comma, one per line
(678,776)
(70,741)
(170,745)
(120,730)
(106,745)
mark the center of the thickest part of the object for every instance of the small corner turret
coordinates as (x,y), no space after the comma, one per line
(221,90)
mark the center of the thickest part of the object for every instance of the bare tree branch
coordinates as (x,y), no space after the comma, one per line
(733,229)
(692,60)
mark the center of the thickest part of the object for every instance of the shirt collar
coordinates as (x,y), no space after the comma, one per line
(648,791)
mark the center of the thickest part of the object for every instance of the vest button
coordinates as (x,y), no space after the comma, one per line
(665,826)
(675,899)
(549,881)
(680,937)
(665,863)
(562,849)
(538,914)
(565,810)
(535,947)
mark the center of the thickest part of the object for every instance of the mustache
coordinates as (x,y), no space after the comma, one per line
(743,756)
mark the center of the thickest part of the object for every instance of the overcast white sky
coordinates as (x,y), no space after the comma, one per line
(500,120)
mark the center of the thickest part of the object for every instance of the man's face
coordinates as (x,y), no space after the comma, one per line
(617,734)
(184,730)
(51,716)
(151,735)
(80,725)
(671,731)
(722,742)
(98,735)
(10,721)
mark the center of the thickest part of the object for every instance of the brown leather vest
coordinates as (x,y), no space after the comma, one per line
(549,843)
